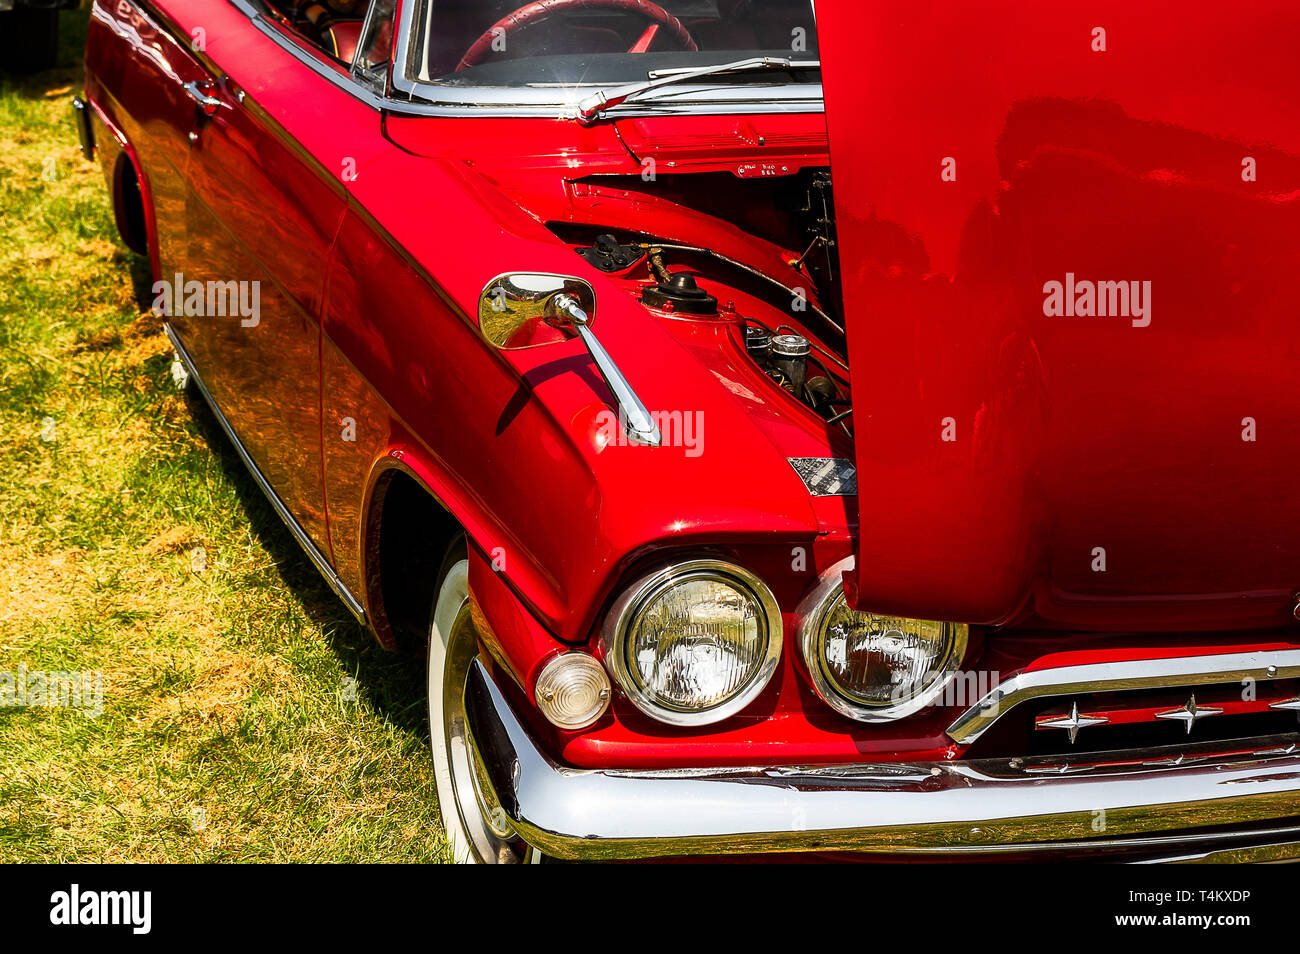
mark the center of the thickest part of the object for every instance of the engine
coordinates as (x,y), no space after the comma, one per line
(787,305)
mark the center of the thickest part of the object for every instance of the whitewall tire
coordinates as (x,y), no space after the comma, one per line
(478,830)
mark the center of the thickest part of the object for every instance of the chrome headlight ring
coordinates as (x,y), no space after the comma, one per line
(643,593)
(814,613)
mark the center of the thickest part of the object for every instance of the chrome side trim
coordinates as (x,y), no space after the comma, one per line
(313,553)
(1174,672)
(344,81)
(989,807)
(542,101)
(1280,852)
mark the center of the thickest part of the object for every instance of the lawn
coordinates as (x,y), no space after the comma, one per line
(245,715)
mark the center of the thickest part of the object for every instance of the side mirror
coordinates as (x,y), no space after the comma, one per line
(515,311)
(526,310)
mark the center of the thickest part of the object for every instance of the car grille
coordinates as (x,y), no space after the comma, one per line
(1144,719)
(1132,705)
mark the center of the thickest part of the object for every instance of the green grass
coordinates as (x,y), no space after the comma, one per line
(245,717)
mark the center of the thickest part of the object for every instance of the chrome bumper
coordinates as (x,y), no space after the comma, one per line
(1157,810)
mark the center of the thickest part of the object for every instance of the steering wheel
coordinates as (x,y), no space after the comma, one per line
(533,13)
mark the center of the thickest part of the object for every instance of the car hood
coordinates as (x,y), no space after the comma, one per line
(1022,458)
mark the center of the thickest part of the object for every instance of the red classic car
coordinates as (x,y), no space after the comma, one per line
(750,501)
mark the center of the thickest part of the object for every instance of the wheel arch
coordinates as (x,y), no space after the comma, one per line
(412,513)
(128,184)
(129,206)
(406,530)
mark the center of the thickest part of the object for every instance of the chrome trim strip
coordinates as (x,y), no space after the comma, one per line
(1277,852)
(336,584)
(927,808)
(542,101)
(402,48)
(344,81)
(1173,672)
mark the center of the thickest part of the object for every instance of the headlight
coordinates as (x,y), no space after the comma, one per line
(875,668)
(694,643)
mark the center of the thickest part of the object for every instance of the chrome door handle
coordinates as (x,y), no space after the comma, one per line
(201,92)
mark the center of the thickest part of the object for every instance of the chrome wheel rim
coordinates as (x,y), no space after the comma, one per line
(484,834)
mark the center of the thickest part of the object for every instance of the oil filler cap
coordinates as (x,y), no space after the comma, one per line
(681,295)
(791,346)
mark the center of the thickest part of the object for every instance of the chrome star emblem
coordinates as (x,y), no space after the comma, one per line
(1189,713)
(1072,722)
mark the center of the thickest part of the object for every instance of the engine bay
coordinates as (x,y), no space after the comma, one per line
(788,319)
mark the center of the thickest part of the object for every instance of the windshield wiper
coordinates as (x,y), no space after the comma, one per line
(589,109)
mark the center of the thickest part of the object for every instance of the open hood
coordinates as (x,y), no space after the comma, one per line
(1070,240)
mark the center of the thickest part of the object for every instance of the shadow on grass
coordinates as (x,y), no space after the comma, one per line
(141,278)
(391,682)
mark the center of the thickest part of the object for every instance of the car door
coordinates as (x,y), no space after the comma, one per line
(266,195)
(144,78)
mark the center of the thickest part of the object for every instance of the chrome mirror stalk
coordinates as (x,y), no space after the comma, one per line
(638,424)
(521,310)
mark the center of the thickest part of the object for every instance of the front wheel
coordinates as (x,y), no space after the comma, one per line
(478,829)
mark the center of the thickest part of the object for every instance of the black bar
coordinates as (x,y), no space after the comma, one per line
(962,905)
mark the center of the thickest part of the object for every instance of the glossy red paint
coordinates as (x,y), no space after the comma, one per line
(489,434)
(1073,435)
(374,234)
(135,71)
(501,407)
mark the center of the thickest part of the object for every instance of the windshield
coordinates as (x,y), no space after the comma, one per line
(567,43)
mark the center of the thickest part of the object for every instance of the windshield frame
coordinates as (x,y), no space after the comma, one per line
(721,96)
